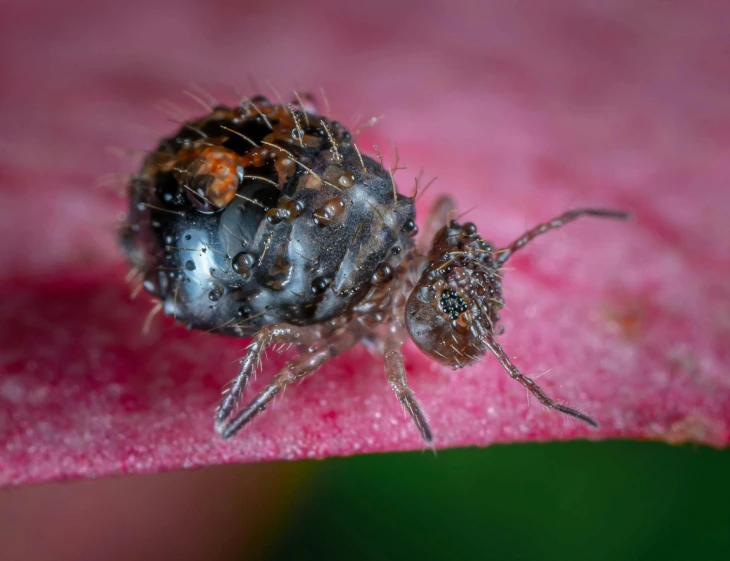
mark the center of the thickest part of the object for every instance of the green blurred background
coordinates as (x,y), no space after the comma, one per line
(572,500)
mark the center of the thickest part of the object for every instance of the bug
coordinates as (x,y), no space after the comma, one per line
(266,221)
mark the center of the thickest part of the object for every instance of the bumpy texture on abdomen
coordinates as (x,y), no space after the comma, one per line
(250,216)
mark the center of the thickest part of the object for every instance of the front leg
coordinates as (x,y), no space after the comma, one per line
(536,390)
(396,371)
(268,335)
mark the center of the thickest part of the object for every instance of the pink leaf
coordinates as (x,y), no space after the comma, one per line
(522,113)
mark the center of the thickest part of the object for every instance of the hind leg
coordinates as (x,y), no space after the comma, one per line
(297,369)
(267,336)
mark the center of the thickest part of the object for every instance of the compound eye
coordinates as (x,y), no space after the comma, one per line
(453,304)
(456,307)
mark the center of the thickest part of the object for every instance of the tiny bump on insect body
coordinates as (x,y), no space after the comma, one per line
(267,221)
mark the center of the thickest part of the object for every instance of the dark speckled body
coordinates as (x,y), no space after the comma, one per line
(266,221)
(263,214)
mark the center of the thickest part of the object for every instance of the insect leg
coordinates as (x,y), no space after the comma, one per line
(268,335)
(524,239)
(297,369)
(396,371)
(532,386)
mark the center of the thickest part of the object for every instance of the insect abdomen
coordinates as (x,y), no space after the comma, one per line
(256,215)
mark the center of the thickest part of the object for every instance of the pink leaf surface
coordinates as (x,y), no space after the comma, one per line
(522,111)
